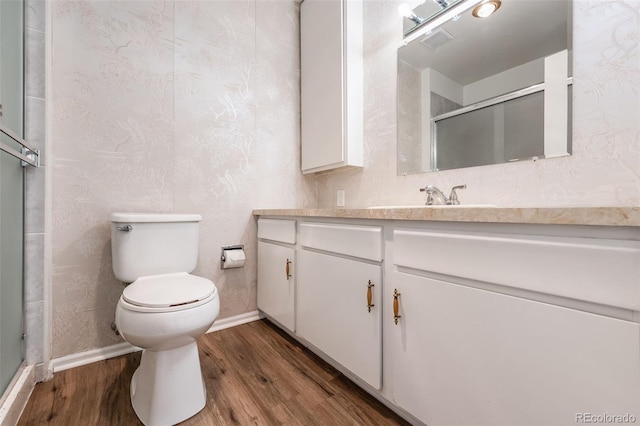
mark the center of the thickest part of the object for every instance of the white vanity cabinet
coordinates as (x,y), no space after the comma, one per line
(331,84)
(497,324)
(276,264)
(464,354)
(339,295)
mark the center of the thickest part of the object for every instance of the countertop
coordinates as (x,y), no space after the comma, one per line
(600,216)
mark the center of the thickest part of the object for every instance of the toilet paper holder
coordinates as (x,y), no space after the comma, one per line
(225,262)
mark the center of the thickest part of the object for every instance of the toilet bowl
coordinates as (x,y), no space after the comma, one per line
(167,388)
(163,313)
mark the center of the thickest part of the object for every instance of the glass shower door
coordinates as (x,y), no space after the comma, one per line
(11,191)
(11,267)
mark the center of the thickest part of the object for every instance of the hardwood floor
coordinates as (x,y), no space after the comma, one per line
(254,373)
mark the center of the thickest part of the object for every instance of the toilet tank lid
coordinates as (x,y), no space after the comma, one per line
(155,217)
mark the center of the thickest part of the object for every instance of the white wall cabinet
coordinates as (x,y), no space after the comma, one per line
(276,270)
(466,356)
(331,84)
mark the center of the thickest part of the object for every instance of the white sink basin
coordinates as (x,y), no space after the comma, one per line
(459,206)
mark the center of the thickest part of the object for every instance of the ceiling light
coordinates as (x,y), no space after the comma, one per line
(486,8)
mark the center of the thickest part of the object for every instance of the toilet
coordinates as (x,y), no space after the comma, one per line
(164,311)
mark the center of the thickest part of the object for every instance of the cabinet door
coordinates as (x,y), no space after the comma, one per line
(332,312)
(276,289)
(463,356)
(321,79)
(331,84)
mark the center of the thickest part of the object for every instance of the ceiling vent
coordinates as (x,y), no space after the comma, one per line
(436,39)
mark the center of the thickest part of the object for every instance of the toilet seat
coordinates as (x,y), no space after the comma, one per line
(168,292)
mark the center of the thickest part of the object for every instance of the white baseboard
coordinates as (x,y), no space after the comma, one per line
(83,358)
(235,320)
(17,395)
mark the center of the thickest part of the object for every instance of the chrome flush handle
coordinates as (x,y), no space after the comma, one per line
(125,228)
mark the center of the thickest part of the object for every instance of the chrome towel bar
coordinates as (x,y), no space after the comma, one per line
(29,155)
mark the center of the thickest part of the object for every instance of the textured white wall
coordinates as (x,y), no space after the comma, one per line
(186,106)
(604,169)
(194,106)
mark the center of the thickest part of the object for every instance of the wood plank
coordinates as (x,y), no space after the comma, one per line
(254,374)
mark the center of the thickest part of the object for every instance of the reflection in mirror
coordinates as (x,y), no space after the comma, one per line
(476,91)
(422,13)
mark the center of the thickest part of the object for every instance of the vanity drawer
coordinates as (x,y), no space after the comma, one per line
(364,242)
(596,270)
(282,230)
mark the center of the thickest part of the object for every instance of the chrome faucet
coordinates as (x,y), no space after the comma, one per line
(435,197)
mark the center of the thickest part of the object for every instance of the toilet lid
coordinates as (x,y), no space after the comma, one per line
(158,291)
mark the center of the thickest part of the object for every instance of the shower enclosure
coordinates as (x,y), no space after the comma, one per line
(13,154)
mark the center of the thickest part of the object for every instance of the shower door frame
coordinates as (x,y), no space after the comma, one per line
(13,112)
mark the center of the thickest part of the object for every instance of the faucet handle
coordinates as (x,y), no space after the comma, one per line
(453,197)
(429,189)
(429,199)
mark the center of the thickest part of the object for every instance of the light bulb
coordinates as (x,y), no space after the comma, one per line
(487,8)
(405,10)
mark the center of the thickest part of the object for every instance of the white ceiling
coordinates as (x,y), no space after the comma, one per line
(519,32)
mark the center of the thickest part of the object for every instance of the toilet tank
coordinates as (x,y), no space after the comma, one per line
(145,244)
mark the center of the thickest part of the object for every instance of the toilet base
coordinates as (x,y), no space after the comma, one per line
(167,388)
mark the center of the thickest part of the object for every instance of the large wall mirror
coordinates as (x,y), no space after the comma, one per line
(475,90)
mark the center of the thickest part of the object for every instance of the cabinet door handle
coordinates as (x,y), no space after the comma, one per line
(370,295)
(287,269)
(396,306)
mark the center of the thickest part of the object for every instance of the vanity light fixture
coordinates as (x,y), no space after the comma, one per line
(486,8)
(457,8)
(407,12)
(443,3)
